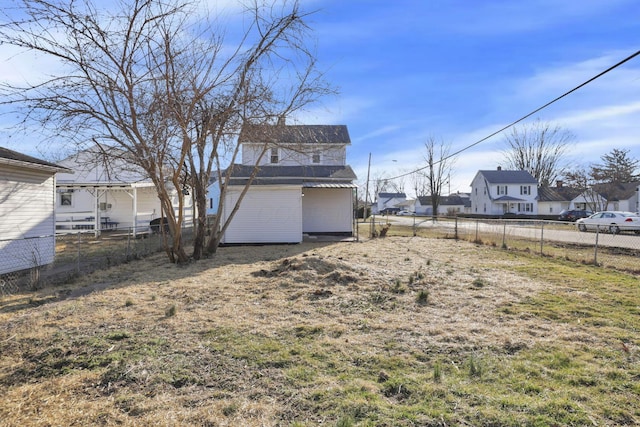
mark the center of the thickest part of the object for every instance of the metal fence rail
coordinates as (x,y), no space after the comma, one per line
(81,253)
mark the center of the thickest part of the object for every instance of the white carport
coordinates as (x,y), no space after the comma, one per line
(328,208)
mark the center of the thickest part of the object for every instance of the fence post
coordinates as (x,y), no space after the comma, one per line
(455,228)
(78,247)
(541,238)
(477,225)
(131,230)
(595,251)
(504,235)
(414,225)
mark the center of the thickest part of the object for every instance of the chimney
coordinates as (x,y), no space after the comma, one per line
(499,168)
(282,121)
(559,183)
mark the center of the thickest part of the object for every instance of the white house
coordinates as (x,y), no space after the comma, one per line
(553,200)
(449,205)
(609,196)
(302,185)
(27,199)
(387,202)
(496,192)
(106,192)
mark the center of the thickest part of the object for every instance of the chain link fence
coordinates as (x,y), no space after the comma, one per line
(81,253)
(604,246)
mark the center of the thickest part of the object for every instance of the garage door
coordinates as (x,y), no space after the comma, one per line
(267,215)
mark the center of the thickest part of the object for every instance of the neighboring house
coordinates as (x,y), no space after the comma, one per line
(389,202)
(106,192)
(27,200)
(302,186)
(553,200)
(497,192)
(449,205)
(615,197)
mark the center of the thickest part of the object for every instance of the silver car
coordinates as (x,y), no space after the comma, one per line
(611,221)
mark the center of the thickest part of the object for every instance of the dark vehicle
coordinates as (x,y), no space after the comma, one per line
(157,225)
(574,214)
(389,211)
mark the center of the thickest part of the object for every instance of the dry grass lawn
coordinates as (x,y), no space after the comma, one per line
(395,331)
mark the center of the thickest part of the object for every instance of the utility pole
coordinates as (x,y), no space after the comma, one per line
(366,195)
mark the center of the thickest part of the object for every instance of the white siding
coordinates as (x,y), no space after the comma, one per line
(267,214)
(28,226)
(330,155)
(327,210)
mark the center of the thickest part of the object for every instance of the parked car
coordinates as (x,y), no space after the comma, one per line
(612,221)
(574,214)
(405,213)
(389,211)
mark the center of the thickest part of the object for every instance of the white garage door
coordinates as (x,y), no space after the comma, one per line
(267,215)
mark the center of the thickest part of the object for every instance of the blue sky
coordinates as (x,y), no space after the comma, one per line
(458,70)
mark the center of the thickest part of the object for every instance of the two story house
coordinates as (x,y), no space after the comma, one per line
(302,184)
(497,192)
(387,203)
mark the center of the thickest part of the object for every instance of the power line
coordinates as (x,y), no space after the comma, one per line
(630,57)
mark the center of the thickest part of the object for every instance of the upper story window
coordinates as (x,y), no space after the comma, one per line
(315,157)
(525,189)
(502,189)
(274,156)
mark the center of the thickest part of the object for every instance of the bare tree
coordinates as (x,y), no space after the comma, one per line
(438,170)
(159,82)
(590,195)
(397,184)
(540,149)
(419,183)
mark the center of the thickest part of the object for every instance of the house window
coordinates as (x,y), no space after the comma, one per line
(525,189)
(315,157)
(502,189)
(476,191)
(66,199)
(274,155)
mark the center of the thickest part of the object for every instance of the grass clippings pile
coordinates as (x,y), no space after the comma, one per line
(387,332)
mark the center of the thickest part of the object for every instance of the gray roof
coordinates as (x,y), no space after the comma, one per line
(295,134)
(392,195)
(617,191)
(11,155)
(557,194)
(292,174)
(508,177)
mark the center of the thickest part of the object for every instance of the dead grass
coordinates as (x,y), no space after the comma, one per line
(326,334)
